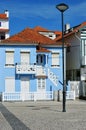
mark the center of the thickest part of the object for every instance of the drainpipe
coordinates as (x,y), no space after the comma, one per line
(46,60)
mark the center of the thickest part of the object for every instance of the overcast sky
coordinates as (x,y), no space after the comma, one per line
(31,13)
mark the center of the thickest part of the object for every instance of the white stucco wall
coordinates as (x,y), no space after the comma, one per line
(73,57)
(50,35)
(4,24)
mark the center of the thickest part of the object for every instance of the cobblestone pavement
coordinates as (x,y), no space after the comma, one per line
(45,115)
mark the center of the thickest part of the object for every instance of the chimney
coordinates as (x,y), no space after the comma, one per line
(7,13)
(67,27)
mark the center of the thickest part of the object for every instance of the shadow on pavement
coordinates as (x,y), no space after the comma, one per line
(14,122)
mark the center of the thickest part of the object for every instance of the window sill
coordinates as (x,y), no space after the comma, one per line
(55,66)
(9,65)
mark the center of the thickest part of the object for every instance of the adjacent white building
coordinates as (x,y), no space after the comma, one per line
(75,37)
(4,25)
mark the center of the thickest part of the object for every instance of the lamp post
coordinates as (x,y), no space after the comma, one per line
(63,7)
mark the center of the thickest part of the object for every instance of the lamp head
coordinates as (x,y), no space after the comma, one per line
(62,7)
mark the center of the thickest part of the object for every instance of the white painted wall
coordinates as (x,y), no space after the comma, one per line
(4,24)
(73,57)
(50,35)
(7,35)
(7,13)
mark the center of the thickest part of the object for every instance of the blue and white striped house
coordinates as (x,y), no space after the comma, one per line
(30,65)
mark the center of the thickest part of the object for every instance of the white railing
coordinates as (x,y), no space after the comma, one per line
(70,95)
(30,69)
(25,69)
(34,96)
(40,70)
(53,77)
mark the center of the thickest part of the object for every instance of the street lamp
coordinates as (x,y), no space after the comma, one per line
(63,7)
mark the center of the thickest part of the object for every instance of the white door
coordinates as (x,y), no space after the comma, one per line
(10,85)
(41,88)
(25,57)
(24,85)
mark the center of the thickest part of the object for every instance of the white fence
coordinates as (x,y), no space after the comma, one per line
(70,95)
(75,86)
(32,96)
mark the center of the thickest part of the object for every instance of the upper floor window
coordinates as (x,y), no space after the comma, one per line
(50,35)
(40,59)
(25,57)
(55,59)
(9,58)
(2,37)
(0,24)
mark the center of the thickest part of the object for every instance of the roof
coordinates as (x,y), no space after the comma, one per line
(72,31)
(28,36)
(40,29)
(3,16)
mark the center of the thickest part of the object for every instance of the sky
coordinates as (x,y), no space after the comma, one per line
(31,13)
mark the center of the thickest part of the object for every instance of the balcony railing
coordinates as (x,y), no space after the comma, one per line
(30,69)
(25,69)
(40,70)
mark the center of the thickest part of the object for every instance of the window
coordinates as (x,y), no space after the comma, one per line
(25,57)
(0,24)
(55,59)
(41,83)
(50,35)
(68,49)
(40,59)
(2,37)
(10,84)
(9,58)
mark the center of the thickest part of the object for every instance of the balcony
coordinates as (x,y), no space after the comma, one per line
(30,69)
(25,69)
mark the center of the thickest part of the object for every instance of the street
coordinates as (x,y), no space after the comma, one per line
(43,115)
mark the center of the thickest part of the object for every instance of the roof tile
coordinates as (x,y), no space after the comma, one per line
(74,29)
(39,28)
(29,36)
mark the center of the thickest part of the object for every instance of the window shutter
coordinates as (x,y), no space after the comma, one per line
(25,57)
(9,57)
(55,59)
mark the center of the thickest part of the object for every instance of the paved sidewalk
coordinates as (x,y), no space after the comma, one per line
(45,115)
